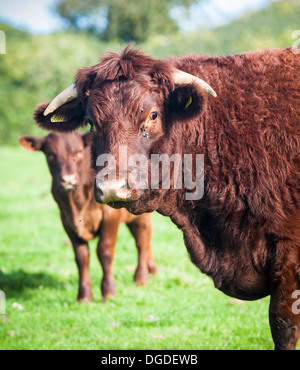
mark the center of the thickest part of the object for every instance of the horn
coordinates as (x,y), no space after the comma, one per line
(69,94)
(181,78)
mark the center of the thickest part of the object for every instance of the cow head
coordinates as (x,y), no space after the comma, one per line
(137,107)
(64,154)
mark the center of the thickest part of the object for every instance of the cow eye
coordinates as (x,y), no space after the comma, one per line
(153,116)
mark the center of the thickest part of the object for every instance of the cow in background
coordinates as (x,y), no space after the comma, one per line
(68,158)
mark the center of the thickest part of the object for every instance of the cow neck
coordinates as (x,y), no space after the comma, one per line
(80,198)
(185,215)
(77,200)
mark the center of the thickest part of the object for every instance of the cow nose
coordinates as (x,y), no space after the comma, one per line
(107,191)
(69,181)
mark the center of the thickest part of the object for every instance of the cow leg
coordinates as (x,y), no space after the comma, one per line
(82,260)
(284,315)
(285,325)
(142,232)
(152,268)
(81,251)
(105,253)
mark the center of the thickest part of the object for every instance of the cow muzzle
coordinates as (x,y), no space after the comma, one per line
(69,182)
(106,191)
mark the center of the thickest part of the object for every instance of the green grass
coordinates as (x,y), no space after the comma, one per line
(179,309)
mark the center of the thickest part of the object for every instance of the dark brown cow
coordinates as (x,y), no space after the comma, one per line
(244,232)
(68,158)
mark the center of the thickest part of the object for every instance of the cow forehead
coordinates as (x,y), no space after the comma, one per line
(116,100)
(67,142)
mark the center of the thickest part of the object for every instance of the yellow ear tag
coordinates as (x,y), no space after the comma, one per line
(58,118)
(188,103)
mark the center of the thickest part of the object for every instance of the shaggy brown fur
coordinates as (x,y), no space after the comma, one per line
(245,231)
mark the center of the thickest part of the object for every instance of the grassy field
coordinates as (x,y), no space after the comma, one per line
(179,309)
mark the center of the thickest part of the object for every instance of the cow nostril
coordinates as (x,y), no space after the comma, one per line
(100,193)
(68,180)
(111,191)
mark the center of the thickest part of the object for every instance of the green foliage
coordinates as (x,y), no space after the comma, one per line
(36,68)
(128,20)
(269,27)
(124,20)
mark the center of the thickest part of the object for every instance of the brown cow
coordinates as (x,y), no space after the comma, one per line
(68,158)
(244,232)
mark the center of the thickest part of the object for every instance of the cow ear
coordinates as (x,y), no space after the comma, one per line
(31,143)
(87,139)
(186,102)
(70,115)
(66,118)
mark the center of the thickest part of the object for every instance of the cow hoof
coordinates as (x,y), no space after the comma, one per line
(152,268)
(141,282)
(140,279)
(108,288)
(84,300)
(105,296)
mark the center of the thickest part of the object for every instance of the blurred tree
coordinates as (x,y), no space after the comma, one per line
(122,19)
